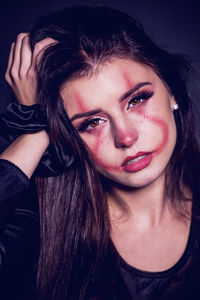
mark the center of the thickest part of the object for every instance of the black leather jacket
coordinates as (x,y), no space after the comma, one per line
(19,234)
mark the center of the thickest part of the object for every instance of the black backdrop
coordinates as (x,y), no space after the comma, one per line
(173,24)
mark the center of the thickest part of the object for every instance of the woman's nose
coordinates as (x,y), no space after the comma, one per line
(125,137)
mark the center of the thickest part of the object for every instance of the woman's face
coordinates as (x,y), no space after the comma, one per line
(124,113)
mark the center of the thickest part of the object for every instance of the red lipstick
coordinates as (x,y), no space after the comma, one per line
(137,162)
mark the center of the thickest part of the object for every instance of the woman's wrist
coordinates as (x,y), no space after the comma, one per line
(27,150)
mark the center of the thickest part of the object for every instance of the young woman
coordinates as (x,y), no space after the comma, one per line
(120,218)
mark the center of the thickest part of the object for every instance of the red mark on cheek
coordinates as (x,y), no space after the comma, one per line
(107,167)
(80,104)
(158,122)
(165,132)
(98,160)
(95,148)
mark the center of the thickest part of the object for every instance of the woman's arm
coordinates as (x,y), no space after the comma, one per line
(19,233)
(27,151)
(19,221)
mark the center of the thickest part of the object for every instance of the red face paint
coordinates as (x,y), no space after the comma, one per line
(95,148)
(99,161)
(161,146)
(158,122)
(105,166)
(79,103)
(164,129)
(129,83)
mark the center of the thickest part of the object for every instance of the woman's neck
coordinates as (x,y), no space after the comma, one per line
(142,224)
(145,207)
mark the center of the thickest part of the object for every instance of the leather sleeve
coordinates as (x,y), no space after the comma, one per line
(19,233)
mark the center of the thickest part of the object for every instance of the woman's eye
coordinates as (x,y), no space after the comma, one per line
(139,98)
(95,122)
(88,125)
(134,102)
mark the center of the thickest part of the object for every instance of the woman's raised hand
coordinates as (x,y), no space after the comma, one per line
(21,72)
(27,150)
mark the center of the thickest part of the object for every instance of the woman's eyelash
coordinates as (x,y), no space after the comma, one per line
(140,97)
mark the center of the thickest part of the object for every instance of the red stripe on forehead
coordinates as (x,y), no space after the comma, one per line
(129,83)
(80,103)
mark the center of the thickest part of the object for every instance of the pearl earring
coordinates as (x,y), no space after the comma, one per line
(175,106)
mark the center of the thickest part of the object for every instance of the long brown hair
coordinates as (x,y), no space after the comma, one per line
(73,210)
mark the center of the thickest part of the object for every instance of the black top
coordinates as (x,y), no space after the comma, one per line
(19,234)
(181,281)
(19,247)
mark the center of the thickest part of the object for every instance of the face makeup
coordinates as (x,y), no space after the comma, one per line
(80,104)
(123,114)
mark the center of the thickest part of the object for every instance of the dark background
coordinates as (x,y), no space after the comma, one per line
(173,24)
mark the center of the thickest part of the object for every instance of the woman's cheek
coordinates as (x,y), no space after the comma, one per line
(158,122)
(96,143)
(98,146)
(101,153)
(93,139)
(164,129)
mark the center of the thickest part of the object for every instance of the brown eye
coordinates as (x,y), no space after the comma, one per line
(94,123)
(89,125)
(135,102)
(139,98)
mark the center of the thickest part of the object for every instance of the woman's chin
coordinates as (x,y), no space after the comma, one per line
(130,182)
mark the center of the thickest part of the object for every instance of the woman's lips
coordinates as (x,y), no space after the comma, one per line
(138,162)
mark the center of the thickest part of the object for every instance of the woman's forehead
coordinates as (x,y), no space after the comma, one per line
(111,82)
(112,75)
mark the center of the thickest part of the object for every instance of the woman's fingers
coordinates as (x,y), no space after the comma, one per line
(10,62)
(19,59)
(21,70)
(17,75)
(15,68)
(25,58)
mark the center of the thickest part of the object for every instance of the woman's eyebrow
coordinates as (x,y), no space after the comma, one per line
(133,89)
(86,114)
